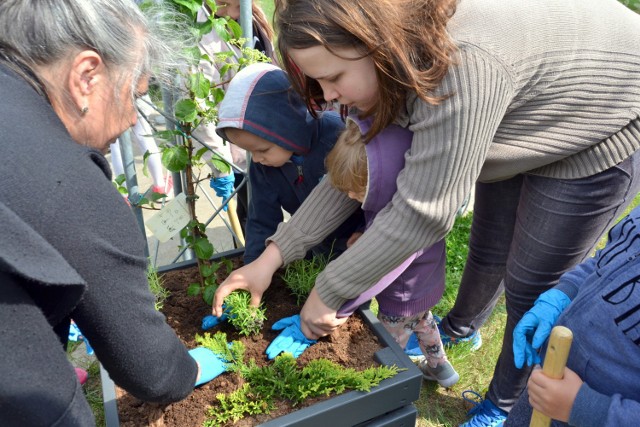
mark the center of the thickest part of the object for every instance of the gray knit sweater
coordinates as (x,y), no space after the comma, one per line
(546,87)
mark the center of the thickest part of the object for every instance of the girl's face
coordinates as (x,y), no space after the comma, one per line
(230,8)
(262,151)
(357,195)
(344,78)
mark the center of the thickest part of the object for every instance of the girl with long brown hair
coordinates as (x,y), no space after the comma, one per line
(536,104)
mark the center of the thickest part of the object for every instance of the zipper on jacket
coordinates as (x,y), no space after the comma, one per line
(300,178)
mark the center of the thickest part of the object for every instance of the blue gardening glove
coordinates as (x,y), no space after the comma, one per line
(535,326)
(210,365)
(223,187)
(290,340)
(210,321)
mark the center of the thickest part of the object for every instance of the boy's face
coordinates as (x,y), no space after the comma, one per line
(262,151)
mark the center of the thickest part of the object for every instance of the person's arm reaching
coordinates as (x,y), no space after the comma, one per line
(450,143)
(254,277)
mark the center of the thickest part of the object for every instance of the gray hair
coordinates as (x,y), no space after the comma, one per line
(41,33)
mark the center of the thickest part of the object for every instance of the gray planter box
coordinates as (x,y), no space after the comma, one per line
(388,404)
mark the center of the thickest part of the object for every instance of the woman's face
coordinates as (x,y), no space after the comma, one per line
(230,8)
(262,151)
(109,117)
(344,78)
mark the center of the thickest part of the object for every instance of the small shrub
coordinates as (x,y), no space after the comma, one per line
(157,287)
(300,276)
(282,380)
(248,320)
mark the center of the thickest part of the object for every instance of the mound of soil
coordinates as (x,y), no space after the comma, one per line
(353,346)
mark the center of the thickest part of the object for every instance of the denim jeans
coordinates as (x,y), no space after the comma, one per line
(526,232)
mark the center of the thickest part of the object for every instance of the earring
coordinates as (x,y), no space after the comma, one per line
(84,110)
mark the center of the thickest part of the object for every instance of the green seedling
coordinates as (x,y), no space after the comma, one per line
(248,320)
(300,276)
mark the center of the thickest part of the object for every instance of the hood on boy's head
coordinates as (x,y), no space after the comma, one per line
(260,100)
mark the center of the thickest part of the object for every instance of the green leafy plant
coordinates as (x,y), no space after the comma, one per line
(157,287)
(282,380)
(198,106)
(232,353)
(300,275)
(248,320)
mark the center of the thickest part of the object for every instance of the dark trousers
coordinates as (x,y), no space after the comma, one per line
(526,232)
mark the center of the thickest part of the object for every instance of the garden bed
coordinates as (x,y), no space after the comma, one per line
(361,343)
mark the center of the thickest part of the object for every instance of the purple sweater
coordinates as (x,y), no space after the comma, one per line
(417,283)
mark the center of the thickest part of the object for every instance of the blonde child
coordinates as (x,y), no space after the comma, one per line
(367,173)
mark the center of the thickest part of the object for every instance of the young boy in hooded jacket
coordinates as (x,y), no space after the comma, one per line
(263,115)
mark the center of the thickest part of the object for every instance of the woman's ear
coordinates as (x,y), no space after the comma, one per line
(87,71)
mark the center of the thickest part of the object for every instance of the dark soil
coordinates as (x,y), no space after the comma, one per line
(353,346)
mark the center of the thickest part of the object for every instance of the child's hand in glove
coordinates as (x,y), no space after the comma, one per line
(290,340)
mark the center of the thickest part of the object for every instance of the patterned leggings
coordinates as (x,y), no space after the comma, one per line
(425,328)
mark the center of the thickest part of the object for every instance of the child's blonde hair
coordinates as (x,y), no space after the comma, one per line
(346,163)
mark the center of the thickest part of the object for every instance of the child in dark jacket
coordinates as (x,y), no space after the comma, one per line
(367,173)
(263,115)
(599,301)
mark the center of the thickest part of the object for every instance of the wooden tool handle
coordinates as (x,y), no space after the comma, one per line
(554,363)
(235,222)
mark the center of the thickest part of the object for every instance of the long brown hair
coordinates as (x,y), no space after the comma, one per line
(406,39)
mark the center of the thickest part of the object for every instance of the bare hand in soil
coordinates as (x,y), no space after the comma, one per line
(318,320)
(254,277)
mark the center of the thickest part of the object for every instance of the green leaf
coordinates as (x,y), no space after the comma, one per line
(193,289)
(189,7)
(167,135)
(217,94)
(220,164)
(120,179)
(235,27)
(186,110)
(208,293)
(200,153)
(220,26)
(224,69)
(208,270)
(175,158)
(199,85)
(203,248)
(204,28)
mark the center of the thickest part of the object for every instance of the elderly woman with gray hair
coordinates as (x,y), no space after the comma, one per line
(70,71)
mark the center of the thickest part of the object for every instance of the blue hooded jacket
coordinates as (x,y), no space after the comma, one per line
(260,100)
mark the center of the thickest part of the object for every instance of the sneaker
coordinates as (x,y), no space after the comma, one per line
(443,373)
(484,413)
(447,341)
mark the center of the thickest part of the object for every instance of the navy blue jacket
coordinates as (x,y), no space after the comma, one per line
(260,100)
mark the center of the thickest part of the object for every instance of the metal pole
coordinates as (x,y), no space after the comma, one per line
(126,151)
(246,22)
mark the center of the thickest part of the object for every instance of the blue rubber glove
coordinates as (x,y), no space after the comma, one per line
(290,340)
(210,365)
(223,187)
(210,321)
(535,326)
